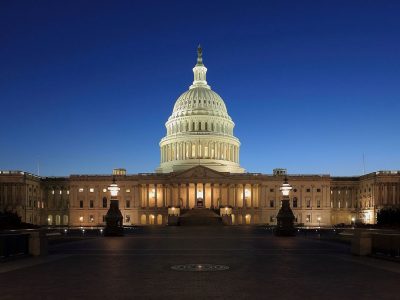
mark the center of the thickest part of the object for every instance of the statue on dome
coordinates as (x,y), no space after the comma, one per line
(199,51)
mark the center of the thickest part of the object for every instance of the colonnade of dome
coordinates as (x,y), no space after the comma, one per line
(201,149)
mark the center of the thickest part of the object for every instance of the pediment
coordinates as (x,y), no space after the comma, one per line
(200,172)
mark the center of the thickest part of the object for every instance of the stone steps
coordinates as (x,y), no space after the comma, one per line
(200,217)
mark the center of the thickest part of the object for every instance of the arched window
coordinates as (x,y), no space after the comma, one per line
(159,219)
(248,219)
(143,220)
(199,126)
(151,219)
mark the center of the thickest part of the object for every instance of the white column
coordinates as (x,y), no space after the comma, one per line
(179,194)
(187,195)
(147,195)
(251,195)
(155,195)
(212,194)
(244,195)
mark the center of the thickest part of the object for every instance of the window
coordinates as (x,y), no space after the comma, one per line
(80,190)
(318,190)
(318,203)
(91,204)
(271,190)
(271,218)
(91,190)
(271,203)
(67,192)
(295,202)
(308,190)
(60,192)
(104,202)
(127,218)
(128,190)
(308,203)
(128,203)
(91,218)
(104,218)
(52,192)
(308,218)
(81,204)
(294,190)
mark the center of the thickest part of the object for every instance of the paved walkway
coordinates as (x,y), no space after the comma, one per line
(261,266)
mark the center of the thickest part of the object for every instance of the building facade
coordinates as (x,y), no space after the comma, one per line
(199,163)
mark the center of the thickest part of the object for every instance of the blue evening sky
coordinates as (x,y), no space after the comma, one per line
(86,86)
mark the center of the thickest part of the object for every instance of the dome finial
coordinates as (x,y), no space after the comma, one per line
(199,55)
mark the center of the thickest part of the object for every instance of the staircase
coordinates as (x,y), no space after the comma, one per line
(200,217)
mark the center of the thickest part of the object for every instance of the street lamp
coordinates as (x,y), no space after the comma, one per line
(319,222)
(285,217)
(114,189)
(353,219)
(114,216)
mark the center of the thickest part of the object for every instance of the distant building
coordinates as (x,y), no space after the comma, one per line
(199,165)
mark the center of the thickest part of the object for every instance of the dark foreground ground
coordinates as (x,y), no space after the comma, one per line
(261,266)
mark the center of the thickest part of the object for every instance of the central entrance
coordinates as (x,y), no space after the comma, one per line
(199,203)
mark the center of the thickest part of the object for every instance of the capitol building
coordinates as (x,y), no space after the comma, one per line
(199,168)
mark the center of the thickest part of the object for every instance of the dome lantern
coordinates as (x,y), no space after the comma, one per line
(199,71)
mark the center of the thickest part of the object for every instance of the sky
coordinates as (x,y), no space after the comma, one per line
(312,86)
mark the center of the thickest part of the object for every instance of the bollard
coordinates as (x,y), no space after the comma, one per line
(38,243)
(361,243)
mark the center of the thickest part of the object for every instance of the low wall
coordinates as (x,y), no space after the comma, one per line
(365,242)
(32,242)
(388,244)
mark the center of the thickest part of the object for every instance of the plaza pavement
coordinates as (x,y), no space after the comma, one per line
(261,266)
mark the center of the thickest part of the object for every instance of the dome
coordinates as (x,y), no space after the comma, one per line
(199,130)
(198,101)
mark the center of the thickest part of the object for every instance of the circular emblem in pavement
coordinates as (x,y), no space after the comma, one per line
(199,268)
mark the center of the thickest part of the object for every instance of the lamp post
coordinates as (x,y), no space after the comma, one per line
(114,216)
(319,222)
(285,217)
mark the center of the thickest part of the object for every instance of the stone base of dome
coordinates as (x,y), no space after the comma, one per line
(214,165)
